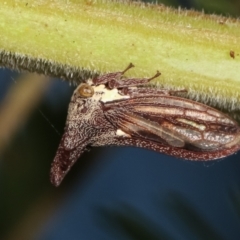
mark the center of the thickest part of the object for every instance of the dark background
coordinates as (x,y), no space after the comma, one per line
(112,192)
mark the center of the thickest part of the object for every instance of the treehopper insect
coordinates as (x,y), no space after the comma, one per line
(112,110)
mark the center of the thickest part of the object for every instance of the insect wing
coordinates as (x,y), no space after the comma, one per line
(175,122)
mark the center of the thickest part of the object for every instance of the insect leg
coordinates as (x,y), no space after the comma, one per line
(148,91)
(130,82)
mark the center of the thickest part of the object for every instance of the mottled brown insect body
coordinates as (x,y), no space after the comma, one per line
(111,110)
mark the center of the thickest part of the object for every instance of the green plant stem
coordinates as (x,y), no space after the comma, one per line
(191,49)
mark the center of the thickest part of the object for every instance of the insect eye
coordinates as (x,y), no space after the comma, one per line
(86,90)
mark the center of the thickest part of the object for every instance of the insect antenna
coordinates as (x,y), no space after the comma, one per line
(128,67)
(155,76)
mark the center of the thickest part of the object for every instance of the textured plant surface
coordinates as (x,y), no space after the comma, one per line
(190,49)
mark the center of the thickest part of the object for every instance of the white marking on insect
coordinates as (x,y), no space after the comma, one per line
(119,132)
(106,95)
(193,124)
(160,110)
